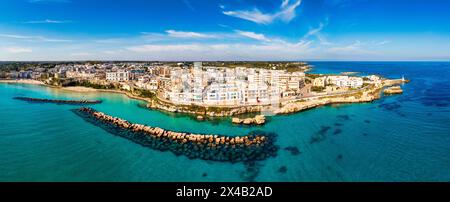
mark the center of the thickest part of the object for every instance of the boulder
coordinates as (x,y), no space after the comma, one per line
(248,121)
(393,90)
(236,120)
(260,119)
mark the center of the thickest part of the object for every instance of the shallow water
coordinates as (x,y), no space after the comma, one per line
(397,138)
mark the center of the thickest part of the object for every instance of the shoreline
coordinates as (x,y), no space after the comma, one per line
(81,89)
(363,96)
(78,89)
(22,81)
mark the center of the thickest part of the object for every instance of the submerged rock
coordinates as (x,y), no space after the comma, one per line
(390,106)
(337,131)
(320,135)
(251,171)
(293,150)
(344,117)
(283,169)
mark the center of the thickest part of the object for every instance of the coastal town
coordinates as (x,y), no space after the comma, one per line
(225,89)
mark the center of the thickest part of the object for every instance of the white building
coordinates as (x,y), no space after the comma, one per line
(231,86)
(340,81)
(345,81)
(119,76)
(147,82)
(223,94)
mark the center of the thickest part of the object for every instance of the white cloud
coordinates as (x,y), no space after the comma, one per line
(284,4)
(110,52)
(80,54)
(33,38)
(47,21)
(286,13)
(165,48)
(271,49)
(384,42)
(253,35)
(189,5)
(109,41)
(16,50)
(354,49)
(323,40)
(263,48)
(254,16)
(316,32)
(14,36)
(182,34)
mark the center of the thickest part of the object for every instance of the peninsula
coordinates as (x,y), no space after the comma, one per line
(211,89)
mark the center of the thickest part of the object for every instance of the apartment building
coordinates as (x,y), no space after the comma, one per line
(340,81)
(118,76)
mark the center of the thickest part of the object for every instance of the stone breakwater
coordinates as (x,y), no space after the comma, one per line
(195,146)
(73,102)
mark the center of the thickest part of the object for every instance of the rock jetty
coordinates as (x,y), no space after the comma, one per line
(195,146)
(393,90)
(257,120)
(72,102)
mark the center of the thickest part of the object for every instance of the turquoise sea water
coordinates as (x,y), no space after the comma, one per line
(398,138)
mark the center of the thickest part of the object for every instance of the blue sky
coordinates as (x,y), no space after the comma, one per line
(224,30)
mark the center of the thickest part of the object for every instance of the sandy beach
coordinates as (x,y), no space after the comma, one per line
(24,81)
(78,89)
(81,89)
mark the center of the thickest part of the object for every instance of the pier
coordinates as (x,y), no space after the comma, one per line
(72,102)
(251,147)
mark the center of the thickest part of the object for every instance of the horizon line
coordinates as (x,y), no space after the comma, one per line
(327,60)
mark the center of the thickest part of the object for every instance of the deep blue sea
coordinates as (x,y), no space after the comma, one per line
(397,138)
